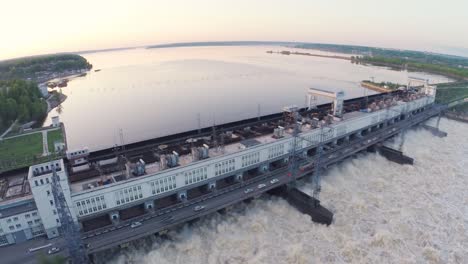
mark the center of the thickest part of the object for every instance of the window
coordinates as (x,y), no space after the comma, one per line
(48,193)
(18,225)
(37,221)
(27,215)
(56,220)
(15,219)
(162,185)
(30,222)
(224,167)
(3,241)
(42,181)
(34,214)
(8,220)
(35,182)
(55,212)
(250,159)
(47,180)
(91,205)
(51,202)
(11,227)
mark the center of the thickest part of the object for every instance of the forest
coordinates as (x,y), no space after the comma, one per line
(33,67)
(20,100)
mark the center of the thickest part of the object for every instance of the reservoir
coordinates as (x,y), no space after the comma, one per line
(144,93)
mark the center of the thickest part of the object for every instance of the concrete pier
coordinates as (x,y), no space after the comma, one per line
(305,204)
(435,131)
(395,155)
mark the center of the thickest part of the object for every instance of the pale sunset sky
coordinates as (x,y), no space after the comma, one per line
(30,27)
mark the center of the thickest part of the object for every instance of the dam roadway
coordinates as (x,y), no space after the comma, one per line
(166,218)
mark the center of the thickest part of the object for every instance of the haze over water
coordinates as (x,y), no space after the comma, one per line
(156,92)
(383,213)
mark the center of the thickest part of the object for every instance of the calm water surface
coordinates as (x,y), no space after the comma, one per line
(155,92)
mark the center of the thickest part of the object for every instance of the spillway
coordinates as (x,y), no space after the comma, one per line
(384,212)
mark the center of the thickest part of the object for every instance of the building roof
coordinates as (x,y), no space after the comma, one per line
(17,208)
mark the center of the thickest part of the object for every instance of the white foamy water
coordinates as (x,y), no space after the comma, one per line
(384,213)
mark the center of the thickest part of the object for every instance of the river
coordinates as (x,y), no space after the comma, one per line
(383,213)
(146,93)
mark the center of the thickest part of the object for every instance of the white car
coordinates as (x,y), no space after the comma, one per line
(262,185)
(198,208)
(135,224)
(248,190)
(53,250)
(274,181)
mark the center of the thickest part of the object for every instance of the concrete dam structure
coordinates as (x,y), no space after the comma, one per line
(107,199)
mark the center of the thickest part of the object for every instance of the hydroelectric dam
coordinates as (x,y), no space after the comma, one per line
(94,201)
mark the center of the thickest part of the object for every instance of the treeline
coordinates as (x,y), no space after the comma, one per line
(416,56)
(32,67)
(20,99)
(443,69)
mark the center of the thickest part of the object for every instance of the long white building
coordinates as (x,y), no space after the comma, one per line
(104,198)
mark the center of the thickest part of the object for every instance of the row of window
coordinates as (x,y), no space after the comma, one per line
(3,240)
(41,181)
(196,175)
(276,151)
(18,226)
(16,219)
(250,159)
(91,205)
(128,195)
(225,167)
(39,232)
(163,185)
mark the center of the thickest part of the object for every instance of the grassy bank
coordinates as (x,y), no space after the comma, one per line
(21,148)
(52,137)
(447,93)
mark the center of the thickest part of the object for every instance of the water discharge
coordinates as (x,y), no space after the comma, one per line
(384,213)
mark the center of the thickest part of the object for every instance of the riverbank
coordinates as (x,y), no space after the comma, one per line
(287,52)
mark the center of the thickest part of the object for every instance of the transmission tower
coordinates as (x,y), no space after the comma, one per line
(68,229)
(296,157)
(316,178)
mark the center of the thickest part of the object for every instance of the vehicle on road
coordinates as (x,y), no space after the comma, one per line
(274,181)
(248,190)
(135,224)
(262,185)
(198,208)
(53,250)
(39,248)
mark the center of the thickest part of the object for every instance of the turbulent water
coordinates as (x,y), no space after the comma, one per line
(384,213)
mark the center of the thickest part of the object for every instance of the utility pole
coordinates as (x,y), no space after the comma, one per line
(68,228)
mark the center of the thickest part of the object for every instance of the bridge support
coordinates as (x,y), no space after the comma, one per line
(395,155)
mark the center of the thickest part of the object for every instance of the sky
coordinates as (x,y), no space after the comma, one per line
(31,27)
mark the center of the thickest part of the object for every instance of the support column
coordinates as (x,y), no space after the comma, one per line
(114,217)
(149,206)
(264,167)
(212,186)
(182,196)
(239,177)
(359,134)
